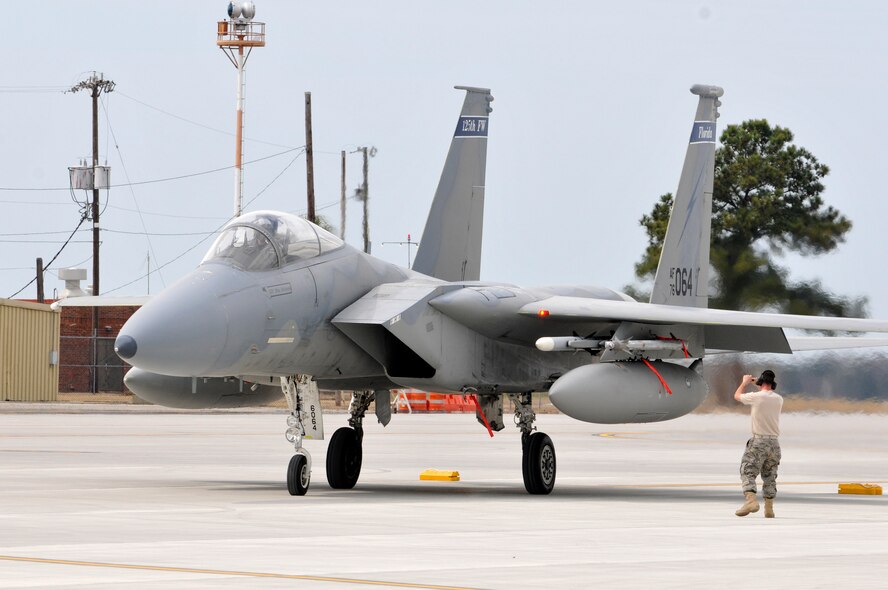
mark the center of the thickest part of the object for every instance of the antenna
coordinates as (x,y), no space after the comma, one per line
(237,37)
(409,243)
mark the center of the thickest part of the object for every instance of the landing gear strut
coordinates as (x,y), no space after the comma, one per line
(538,452)
(345,453)
(299,469)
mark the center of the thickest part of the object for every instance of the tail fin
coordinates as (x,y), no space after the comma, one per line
(683,271)
(450,248)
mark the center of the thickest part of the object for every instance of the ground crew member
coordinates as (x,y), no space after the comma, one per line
(762,455)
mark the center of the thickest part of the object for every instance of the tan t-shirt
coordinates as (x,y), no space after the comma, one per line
(766,406)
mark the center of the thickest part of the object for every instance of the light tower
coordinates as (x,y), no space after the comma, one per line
(237,37)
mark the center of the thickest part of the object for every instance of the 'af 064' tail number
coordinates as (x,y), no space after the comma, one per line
(682,280)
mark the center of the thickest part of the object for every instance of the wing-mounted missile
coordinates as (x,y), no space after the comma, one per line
(199,392)
(568,344)
(653,346)
(627,392)
(635,341)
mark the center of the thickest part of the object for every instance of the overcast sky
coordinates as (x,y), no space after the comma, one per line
(590,123)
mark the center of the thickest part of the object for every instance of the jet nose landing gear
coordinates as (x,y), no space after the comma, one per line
(305,409)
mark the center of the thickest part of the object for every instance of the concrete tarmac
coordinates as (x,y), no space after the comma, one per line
(137,499)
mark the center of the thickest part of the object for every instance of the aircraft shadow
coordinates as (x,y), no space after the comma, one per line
(387,492)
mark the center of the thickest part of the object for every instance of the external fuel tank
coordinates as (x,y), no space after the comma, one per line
(627,392)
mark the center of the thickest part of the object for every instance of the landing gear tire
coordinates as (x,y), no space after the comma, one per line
(344,457)
(298,475)
(538,465)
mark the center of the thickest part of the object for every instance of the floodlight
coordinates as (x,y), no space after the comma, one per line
(234,10)
(248,10)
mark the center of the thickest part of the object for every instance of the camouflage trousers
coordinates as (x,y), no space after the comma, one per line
(762,456)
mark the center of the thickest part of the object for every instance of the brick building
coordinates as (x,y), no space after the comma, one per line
(85,361)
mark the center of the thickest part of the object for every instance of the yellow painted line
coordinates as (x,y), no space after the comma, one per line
(715,485)
(131,435)
(618,434)
(188,570)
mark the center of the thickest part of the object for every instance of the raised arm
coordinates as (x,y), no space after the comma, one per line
(747,380)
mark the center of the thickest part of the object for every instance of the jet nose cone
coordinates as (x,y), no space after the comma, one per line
(181,332)
(125,347)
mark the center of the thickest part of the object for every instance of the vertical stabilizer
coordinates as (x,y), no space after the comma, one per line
(683,271)
(450,248)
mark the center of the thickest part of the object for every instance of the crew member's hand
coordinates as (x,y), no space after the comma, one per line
(747,379)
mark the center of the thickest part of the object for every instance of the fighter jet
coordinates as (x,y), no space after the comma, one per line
(278,305)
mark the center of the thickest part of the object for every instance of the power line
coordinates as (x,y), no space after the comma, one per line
(205,238)
(33,89)
(37,202)
(265,188)
(75,265)
(34,86)
(132,192)
(157,180)
(46,241)
(147,233)
(38,233)
(195,123)
(173,215)
(82,219)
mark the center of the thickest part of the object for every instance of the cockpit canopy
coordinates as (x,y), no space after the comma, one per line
(264,240)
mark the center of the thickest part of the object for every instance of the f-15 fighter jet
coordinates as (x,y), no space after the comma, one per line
(279,305)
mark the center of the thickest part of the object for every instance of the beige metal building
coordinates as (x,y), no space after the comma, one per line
(29,351)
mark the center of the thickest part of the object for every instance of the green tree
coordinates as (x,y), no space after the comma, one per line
(766,201)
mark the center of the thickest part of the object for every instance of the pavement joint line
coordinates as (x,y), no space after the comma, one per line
(188,570)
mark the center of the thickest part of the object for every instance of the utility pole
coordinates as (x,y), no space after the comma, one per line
(342,198)
(309,161)
(96,84)
(40,297)
(365,193)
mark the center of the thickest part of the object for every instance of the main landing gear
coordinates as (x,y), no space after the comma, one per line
(538,452)
(345,453)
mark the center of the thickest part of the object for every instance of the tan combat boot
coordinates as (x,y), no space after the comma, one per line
(769,508)
(751,505)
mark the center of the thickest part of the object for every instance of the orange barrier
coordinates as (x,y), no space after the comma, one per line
(423,402)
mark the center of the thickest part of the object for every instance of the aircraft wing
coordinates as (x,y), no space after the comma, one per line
(805,343)
(818,343)
(102,301)
(724,330)
(598,310)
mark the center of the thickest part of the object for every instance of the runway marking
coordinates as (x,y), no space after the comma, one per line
(718,485)
(188,570)
(617,434)
(130,435)
(54,451)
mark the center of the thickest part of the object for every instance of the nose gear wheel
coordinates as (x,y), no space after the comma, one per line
(298,475)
